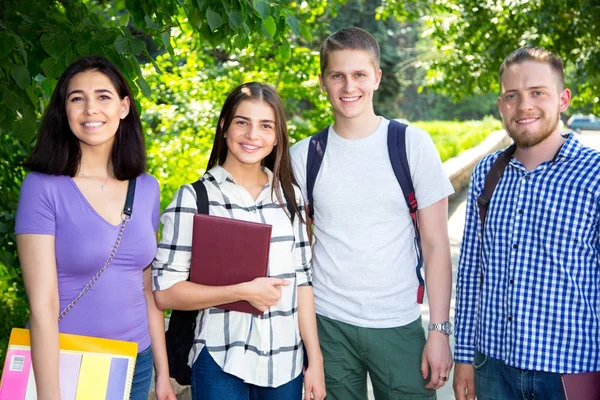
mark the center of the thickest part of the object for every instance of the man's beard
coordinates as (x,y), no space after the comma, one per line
(529,139)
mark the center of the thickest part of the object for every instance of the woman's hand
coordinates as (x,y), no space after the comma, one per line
(263,293)
(163,390)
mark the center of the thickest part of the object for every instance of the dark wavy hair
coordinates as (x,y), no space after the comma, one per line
(57,150)
(278,161)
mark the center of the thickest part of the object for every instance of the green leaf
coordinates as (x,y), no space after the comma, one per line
(166,40)
(35,100)
(12,100)
(124,19)
(284,53)
(20,74)
(144,87)
(151,24)
(51,68)
(306,34)
(105,36)
(293,24)
(214,19)
(263,8)
(165,37)
(24,129)
(55,44)
(7,44)
(269,25)
(129,45)
(235,19)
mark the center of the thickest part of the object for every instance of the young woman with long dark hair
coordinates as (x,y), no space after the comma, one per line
(239,355)
(89,146)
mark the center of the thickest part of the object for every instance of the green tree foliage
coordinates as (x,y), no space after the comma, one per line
(472,38)
(180,116)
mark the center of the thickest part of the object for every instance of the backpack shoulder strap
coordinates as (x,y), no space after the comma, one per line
(491,181)
(316,152)
(399,161)
(201,197)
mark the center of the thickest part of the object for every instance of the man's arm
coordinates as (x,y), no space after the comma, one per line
(467,292)
(433,221)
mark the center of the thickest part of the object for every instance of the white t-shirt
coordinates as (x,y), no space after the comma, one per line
(364,257)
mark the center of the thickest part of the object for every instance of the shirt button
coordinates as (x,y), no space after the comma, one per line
(511,281)
(520,211)
(515,246)
(527,177)
(509,319)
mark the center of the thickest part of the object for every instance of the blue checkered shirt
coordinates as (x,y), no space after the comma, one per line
(539,305)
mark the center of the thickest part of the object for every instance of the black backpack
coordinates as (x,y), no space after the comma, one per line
(182,324)
(396,142)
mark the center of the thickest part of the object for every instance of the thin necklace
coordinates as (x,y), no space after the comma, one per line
(102,186)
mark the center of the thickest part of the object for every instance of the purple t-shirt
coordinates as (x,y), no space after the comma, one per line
(115,307)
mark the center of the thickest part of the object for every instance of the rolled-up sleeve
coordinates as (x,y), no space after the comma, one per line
(302,249)
(172,261)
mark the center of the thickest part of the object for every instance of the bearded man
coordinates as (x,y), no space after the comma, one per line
(528,287)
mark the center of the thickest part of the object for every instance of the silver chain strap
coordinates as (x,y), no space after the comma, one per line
(87,287)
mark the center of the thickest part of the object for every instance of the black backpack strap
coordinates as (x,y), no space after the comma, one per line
(179,337)
(316,152)
(491,181)
(399,160)
(201,197)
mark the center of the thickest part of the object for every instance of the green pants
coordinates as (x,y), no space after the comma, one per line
(391,357)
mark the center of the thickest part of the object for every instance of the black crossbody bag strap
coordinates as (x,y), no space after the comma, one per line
(126,216)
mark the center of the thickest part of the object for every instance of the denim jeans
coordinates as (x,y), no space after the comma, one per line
(210,382)
(142,376)
(494,380)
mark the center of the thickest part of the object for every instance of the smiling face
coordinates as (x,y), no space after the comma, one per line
(252,134)
(94,109)
(349,80)
(531,102)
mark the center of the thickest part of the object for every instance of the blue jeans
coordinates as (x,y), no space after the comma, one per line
(142,376)
(210,382)
(494,380)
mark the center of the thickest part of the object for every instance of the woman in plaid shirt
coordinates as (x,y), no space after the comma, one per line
(239,355)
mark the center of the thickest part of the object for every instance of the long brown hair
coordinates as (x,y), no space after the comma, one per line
(278,161)
(57,150)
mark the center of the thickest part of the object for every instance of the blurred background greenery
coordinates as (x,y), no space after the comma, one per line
(182,57)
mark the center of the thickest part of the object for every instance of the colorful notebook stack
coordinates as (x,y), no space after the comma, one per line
(89,369)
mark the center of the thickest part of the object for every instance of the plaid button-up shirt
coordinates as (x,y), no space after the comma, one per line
(539,305)
(262,350)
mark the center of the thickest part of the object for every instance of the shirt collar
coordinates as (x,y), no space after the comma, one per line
(221,175)
(570,149)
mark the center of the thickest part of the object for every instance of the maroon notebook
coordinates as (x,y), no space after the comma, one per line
(228,251)
(584,386)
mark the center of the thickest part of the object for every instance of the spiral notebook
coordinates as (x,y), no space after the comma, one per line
(89,368)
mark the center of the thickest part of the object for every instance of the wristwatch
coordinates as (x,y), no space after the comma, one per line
(444,327)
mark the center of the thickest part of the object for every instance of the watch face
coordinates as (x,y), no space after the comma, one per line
(447,328)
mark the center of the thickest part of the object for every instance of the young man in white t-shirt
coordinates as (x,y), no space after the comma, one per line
(365,283)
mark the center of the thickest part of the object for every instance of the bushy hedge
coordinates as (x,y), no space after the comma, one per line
(453,137)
